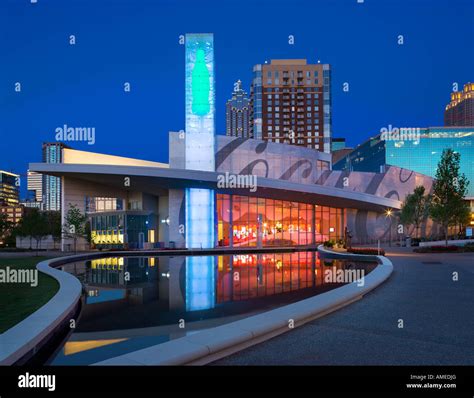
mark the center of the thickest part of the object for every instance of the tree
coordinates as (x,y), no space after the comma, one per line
(415,208)
(34,224)
(54,225)
(75,225)
(5,225)
(448,206)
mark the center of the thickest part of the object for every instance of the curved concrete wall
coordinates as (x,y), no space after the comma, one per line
(26,337)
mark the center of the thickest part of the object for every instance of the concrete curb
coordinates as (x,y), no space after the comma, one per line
(25,338)
(209,345)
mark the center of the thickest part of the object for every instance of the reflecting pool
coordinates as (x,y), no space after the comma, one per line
(134,292)
(137,302)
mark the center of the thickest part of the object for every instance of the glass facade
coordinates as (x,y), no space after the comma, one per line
(108,229)
(52,153)
(100,204)
(420,152)
(119,228)
(424,154)
(256,102)
(367,157)
(257,222)
(327,108)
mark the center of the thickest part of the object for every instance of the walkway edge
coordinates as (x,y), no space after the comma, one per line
(26,337)
(212,344)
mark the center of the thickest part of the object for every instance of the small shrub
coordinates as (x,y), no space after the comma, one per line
(329,243)
(367,250)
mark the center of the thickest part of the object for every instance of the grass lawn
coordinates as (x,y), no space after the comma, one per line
(18,300)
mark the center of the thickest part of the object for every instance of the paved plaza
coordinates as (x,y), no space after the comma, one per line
(437,314)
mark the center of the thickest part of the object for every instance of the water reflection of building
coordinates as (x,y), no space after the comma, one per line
(185,284)
(116,278)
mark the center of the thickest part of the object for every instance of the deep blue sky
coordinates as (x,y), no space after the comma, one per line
(137,41)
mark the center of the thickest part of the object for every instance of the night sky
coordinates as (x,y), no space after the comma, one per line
(137,41)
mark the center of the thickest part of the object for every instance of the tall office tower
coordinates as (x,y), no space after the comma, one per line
(291,103)
(460,111)
(10,197)
(237,113)
(337,144)
(35,185)
(52,153)
(9,189)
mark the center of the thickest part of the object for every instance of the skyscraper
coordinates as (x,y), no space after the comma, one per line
(9,191)
(460,111)
(9,197)
(52,153)
(291,103)
(35,185)
(238,113)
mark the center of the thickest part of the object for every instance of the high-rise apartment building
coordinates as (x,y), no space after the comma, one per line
(460,111)
(52,153)
(35,185)
(238,113)
(291,103)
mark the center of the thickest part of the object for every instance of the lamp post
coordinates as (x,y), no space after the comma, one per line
(389,213)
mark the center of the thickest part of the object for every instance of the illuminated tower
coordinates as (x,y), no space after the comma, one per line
(237,115)
(199,155)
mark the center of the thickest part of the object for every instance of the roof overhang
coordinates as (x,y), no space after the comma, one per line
(157,181)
